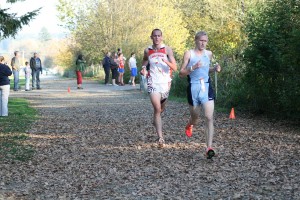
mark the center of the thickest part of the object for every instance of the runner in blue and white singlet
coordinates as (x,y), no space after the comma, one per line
(196,65)
(199,89)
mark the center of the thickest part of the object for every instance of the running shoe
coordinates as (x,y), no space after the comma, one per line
(189,130)
(210,153)
(161,142)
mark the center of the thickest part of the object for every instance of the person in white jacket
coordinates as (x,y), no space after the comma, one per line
(28,72)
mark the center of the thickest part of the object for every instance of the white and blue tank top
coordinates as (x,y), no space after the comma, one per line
(202,72)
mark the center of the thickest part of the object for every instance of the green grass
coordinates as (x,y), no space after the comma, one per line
(12,131)
(21,82)
(177,99)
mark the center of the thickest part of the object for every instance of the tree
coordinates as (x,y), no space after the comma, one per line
(110,24)
(10,24)
(272,57)
(44,35)
(48,62)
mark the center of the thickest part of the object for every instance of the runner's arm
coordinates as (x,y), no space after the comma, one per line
(216,67)
(184,71)
(145,58)
(172,62)
(13,61)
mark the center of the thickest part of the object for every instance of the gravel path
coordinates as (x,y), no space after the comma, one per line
(98,143)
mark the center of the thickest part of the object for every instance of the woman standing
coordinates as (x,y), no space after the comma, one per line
(121,69)
(114,68)
(80,65)
(5,72)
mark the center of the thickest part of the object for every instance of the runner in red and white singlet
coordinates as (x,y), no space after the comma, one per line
(159,72)
(162,62)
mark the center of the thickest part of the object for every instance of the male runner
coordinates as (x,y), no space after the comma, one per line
(162,62)
(196,65)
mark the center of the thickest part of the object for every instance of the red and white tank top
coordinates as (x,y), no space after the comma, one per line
(159,71)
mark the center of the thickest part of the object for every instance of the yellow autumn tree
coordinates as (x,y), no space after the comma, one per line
(127,24)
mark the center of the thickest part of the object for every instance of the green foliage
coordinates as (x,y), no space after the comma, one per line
(222,20)
(257,42)
(13,128)
(179,86)
(48,62)
(107,25)
(21,83)
(272,75)
(10,23)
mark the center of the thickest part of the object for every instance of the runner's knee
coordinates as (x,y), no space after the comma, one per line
(209,116)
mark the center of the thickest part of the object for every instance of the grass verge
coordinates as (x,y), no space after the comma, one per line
(12,131)
(21,82)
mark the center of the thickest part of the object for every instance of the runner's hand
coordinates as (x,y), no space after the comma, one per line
(217,67)
(197,65)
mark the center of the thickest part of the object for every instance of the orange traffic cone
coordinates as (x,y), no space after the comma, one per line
(69,90)
(232,115)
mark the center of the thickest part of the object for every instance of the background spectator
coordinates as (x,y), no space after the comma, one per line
(37,69)
(106,66)
(133,68)
(80,66)
(5,71)
(16,65)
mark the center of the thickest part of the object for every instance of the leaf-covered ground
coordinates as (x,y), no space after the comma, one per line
(99,143)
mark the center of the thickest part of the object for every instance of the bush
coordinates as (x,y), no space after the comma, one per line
(272,74)
(179,85)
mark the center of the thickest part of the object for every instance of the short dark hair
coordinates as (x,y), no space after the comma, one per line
(26,63)
(16,52)
(156,29)
(132,53)
(80,57)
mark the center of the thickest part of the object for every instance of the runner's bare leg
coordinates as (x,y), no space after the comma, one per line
(208,109)
(155,100)
(163,105)
(194,112)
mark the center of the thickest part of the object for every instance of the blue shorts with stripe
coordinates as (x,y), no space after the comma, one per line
(196,96)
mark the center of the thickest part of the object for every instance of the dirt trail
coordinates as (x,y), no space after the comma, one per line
(98,143)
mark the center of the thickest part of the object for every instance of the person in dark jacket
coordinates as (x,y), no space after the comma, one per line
(106,66)
(37,69)
(80,66)
(114,68)
(5,72)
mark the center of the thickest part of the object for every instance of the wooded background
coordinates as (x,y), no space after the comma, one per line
(257,42)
